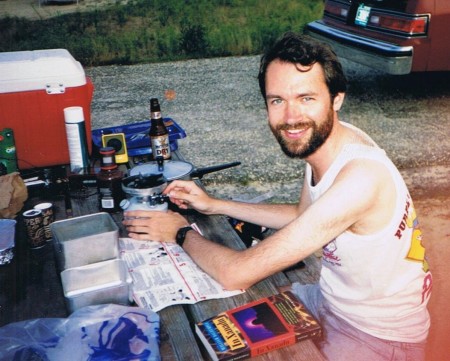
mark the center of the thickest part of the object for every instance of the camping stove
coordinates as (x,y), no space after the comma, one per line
(144,192)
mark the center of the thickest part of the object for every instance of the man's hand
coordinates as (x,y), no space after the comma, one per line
(153,225)
(187,194)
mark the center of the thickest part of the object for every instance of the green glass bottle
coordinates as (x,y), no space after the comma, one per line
(8,158)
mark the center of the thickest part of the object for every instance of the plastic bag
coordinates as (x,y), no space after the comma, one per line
(95,333)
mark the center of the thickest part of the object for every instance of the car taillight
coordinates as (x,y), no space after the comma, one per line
(413,26)
(336,10)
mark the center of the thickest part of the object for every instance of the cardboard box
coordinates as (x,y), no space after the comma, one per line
(35,87)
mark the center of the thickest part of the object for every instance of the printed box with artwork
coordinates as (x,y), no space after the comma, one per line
(257,328)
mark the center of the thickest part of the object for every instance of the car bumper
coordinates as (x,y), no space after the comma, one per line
(387,57)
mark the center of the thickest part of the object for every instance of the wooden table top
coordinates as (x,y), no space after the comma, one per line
(30,287)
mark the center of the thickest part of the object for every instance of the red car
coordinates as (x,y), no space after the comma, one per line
(395,36)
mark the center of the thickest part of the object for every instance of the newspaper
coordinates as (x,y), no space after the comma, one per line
(164,275)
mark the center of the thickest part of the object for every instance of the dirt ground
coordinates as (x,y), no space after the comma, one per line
(434,214)
(431,195)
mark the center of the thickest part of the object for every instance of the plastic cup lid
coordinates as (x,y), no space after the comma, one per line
(172,169)
(43,206)
(73,115)
(32,213)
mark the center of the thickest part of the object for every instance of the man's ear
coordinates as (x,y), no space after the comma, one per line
(338,101)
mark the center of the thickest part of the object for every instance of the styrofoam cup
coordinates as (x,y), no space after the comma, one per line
(7,236)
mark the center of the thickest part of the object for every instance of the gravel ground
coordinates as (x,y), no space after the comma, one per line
(218,104)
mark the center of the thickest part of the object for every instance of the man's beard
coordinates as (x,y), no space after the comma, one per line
(299,149)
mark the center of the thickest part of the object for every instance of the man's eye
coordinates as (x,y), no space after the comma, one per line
(307,99)
(276,101)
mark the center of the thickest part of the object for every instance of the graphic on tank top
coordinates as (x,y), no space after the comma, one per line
(328,253)
(417,250)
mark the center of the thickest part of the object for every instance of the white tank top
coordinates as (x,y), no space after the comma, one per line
(379,283)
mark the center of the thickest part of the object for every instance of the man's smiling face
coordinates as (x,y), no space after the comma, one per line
(300,108)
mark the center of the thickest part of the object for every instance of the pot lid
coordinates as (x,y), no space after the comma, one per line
(172,169)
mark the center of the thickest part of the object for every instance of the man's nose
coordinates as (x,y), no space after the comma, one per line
(293,113)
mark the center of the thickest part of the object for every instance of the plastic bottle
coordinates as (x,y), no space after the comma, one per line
(109,182)
(76,138)
(159,136)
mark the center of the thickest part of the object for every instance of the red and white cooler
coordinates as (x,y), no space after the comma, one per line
(35,87)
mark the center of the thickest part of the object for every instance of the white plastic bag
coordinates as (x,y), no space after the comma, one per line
(95,333)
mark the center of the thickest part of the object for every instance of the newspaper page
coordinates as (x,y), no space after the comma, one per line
(164,274)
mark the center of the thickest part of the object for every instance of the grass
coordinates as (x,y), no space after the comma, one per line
(144,31)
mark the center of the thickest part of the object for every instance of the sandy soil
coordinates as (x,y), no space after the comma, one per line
(431,194)
(434,219)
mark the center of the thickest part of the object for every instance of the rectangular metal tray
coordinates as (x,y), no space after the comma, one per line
(80,241)
(98,283)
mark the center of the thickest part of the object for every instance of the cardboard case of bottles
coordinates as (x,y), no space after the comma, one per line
(35,87)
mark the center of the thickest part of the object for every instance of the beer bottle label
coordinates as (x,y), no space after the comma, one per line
(106,198)
(155,114)
(161,146)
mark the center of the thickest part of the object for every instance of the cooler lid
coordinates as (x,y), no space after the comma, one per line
(39,70)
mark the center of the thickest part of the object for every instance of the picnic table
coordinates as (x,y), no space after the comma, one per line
(30,287)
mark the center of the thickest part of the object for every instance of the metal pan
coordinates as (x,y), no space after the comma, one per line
(172,169)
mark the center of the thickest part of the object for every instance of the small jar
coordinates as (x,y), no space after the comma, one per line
(109,182)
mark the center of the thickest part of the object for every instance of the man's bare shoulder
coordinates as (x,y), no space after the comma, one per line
(372,190)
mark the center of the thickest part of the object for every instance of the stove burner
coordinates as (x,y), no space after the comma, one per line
(141,181)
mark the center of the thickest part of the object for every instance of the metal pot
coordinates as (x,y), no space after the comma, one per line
(146,182)
(144,192)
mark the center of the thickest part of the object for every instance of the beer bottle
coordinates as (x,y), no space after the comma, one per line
(109,182)
(159,136)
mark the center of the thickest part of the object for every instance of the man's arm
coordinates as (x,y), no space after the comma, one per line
(189,195)
(360,198)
